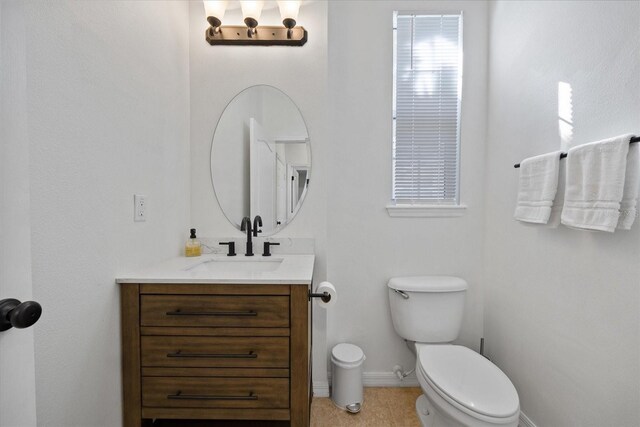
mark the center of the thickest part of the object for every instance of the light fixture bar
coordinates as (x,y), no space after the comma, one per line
(236,35)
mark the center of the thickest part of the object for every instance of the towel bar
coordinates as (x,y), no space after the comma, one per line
(633,140)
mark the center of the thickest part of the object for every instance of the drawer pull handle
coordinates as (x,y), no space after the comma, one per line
(213,313)
(179,353)
(180,396)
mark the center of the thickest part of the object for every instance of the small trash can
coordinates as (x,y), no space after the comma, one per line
(346,376)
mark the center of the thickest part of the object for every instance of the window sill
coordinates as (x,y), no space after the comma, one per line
(426,211)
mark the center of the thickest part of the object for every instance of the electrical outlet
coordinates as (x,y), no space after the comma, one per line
(139,207)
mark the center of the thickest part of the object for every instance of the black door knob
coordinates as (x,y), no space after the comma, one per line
(18,315)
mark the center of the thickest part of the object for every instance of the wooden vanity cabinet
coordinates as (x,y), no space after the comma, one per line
(215,351)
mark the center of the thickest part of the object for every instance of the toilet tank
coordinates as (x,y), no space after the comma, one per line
(427,309)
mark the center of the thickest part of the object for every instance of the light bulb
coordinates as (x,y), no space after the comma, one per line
(215,8)
(214,11)
(251,9)
(289,12)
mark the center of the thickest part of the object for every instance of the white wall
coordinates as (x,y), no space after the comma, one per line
(366,247)
(17,368)
(108,116)
(562,315)
(217,74)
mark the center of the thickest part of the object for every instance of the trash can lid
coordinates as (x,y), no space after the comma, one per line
(347,354)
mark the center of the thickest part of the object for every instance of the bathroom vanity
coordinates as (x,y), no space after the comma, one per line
(228,337)
(217,338)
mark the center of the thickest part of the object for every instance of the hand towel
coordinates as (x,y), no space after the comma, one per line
(558,202)
(628,205)
(595,183)
(537,188)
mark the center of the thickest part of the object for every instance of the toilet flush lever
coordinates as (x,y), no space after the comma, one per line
(401,293)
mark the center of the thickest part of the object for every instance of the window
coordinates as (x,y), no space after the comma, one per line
(427,83)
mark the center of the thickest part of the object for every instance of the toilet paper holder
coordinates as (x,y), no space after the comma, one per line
(324,296)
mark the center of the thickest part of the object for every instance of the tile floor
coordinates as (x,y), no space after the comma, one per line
(383,407)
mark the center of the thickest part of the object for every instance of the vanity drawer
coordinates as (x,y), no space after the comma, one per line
(215,352)
(215,310)
(195,392)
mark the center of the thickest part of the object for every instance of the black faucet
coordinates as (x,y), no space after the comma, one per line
(246,226)
(257,222)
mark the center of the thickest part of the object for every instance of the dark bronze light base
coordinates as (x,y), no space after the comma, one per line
(236,35)
(214,22)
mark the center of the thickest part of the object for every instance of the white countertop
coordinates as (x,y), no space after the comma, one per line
(212,268)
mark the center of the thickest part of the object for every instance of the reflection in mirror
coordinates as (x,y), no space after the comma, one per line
(260,158)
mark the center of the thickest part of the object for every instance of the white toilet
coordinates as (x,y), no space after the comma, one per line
(460,387)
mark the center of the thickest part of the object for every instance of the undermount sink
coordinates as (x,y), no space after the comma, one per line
(236,265)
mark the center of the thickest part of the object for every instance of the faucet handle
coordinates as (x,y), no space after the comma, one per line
(267,248)
(232,248)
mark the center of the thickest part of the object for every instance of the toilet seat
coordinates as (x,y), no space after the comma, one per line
(468,381)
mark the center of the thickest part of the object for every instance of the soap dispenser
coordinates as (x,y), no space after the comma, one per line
(193,246)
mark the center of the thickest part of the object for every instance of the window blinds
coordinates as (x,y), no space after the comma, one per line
(426,125)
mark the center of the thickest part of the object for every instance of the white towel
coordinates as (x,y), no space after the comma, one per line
(628,209)
(537,188)
(595,183)
(558,202)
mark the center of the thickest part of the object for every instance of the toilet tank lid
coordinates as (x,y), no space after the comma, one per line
(428,284)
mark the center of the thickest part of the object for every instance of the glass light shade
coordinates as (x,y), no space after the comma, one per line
(252,9)
(215,8)
(289,9)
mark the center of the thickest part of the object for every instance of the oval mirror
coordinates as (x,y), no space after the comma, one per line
(261,158)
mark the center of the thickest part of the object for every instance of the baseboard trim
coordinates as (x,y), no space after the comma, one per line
(321,388)
(525,421)
(388,379)
(370,379)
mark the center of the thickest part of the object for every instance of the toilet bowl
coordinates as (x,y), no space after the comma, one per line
(463,388)
(460,387)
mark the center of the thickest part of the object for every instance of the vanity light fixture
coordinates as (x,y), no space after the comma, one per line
(251,34)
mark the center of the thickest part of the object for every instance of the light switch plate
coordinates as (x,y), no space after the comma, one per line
(139,207)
